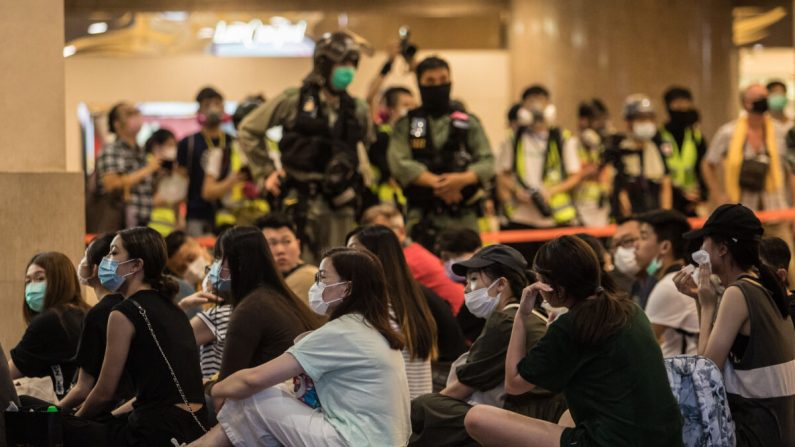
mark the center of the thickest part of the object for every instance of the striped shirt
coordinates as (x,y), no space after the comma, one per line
(418,371)
(760,373)
(217,320)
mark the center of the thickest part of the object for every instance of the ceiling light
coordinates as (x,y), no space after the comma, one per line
(69,50)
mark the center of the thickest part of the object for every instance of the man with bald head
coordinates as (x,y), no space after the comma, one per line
(751,155)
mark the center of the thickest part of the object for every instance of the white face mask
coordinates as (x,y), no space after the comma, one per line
(644,130)
(195,271)
(480,303)
(316,297)
(626,261)
(169,153)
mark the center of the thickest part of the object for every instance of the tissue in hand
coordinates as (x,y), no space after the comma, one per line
(701,257)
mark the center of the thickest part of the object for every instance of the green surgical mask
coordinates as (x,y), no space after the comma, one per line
(342,77)
(777,102)
(654,267)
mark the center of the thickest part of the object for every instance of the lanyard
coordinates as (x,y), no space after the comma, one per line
(209,141)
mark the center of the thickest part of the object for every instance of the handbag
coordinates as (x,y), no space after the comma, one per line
(104,212)
(142,311)
(753,173)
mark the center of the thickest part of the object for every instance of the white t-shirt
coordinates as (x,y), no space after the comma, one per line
(534,149)
(668,307)
(360,381)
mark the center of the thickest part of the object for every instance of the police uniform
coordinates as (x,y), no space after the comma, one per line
(420,143)
(324,223)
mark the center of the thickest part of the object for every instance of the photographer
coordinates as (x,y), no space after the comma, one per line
(323,159)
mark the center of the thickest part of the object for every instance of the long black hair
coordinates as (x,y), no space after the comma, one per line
(571,267)
(408,303)
(251,266)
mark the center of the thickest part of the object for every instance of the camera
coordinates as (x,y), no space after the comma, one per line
(407,49)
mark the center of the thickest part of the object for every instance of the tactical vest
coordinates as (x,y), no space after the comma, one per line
(682,162)
(554,173)
(309,145)
(453,156)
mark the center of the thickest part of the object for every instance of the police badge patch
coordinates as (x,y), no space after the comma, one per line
(418,131)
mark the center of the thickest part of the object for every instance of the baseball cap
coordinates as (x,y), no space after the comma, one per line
(732,220)
(493,254)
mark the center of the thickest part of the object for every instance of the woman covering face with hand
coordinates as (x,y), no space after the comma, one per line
(602,355)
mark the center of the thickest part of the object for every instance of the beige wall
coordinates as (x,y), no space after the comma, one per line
(479,77)
(41,203)
(613,48)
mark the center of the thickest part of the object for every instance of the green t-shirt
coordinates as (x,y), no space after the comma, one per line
(617,391)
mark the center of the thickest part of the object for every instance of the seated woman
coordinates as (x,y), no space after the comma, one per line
(148,338)
(602,355)
(267,316)
(409,309)
(354,361)
(54,310)
(748,332)
(91,350)
(495,278)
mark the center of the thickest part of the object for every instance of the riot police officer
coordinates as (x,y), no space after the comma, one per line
(318,170)
(441,156)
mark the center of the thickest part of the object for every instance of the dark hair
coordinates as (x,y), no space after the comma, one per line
(174,241)
(113,115)
(570,265)
(669,225)
(158,138)
(597,247)
(745,252)
(598,106)
(251,266)
(148,245)
(516,281)
(208,93)
(675,92)
(245,107)
(368,291)
(535,90)
(63,288)
(431,63)
(775,252)
(392,93)
(513,112)
(98,248)
(458,240)
(274,220)
(408,302)
(776,83)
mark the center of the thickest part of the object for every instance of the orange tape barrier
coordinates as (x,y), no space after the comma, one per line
(519,236)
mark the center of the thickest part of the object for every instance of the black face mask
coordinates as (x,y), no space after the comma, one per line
(682,119)
(436,98)
(759,106)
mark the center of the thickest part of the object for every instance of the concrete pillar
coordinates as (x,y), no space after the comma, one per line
(41,204)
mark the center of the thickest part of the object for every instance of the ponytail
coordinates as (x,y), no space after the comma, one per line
(771,282)
(599,317)
(165,285)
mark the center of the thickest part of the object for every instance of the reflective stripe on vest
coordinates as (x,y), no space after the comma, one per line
(163,220)
(589,190)
(682,162)
(563,210)
(236,196)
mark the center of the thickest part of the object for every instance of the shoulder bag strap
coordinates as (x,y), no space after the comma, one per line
(142,311)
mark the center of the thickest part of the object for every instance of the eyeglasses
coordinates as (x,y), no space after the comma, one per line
(627,242)
(277,242)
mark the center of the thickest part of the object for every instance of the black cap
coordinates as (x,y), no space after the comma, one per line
(493,254)
(731,220)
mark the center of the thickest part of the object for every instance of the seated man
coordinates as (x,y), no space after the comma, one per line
(280,232)
(187,261)
(426,268)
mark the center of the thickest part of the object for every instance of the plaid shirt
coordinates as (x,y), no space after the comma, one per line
(118,157)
